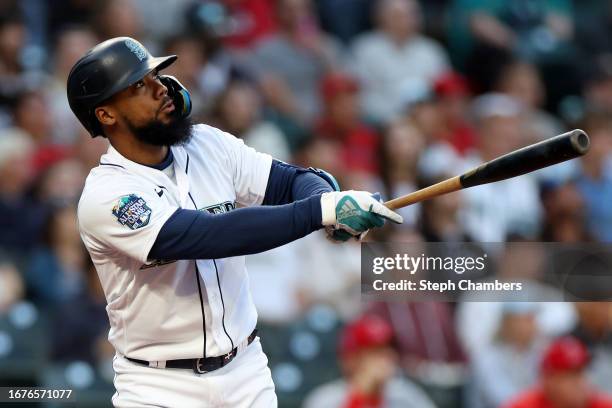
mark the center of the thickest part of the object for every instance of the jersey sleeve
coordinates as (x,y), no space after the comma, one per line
(250,170)
(125,219)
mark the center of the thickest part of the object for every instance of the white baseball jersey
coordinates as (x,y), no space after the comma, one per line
(167,310)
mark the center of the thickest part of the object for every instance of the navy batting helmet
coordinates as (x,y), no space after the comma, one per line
(106,69)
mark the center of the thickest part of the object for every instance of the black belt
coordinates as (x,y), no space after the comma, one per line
(199,365)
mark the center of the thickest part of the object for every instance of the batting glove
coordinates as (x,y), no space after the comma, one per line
(348,214)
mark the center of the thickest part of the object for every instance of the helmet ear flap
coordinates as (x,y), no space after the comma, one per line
(179,94)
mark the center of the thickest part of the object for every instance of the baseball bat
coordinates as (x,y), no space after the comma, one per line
(552,151)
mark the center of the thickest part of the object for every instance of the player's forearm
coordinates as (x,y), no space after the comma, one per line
(191,234)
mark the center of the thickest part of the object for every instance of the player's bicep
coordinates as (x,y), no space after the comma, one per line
(250,170)
(127,222)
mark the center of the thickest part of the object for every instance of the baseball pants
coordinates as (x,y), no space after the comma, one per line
(245,382)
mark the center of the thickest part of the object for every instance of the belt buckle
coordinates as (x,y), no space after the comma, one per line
(228,358)
(198,366)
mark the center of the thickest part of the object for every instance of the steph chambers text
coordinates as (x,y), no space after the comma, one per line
(425,285)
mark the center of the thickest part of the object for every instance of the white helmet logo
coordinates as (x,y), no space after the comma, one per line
(136,49)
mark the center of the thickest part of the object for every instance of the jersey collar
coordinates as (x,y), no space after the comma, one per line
(114,158)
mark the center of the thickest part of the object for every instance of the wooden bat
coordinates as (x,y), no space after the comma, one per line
(555,150)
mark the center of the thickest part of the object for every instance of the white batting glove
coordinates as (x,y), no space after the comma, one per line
(351,213)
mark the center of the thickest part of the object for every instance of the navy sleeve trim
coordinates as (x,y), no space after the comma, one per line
(191,234)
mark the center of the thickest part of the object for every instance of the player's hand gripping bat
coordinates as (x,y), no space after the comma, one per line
(555,150)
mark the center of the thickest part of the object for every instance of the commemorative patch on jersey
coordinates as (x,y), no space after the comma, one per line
(132,211)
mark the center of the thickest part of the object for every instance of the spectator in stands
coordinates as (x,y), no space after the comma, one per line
(323,153)
(70,45)
(239,111)
(402,145)
(394,52)
(345,19)
(250,21)
(522,81)
(593,28)
(341,121)
(118,18)
(418,105)
(66,13)
(509,365)
(594,330)
(32,115)
(21,217)
(595,180)
(57,267)
(80,323)
(275,279)
(564,214)
(292,62)
(12,288)
(168,17)
(517,28)
(88,150)
(191,71)
(597,88)
(61,178)
(428,347)
(288,280)
(494,211)
(563,382)
(369,365)
(439,221)
(479,315)
(13,78)
(453,97)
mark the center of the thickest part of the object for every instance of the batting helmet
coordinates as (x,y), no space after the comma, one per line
(106,69)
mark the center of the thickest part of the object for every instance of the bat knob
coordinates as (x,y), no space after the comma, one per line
(580,141)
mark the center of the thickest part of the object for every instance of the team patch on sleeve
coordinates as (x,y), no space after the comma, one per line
(132,211)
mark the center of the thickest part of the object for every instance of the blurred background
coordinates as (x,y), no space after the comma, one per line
(387,95)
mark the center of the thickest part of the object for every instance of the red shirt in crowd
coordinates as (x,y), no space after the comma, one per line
(537,399)
(357,400)
(252,21)
(359,145)
(462,137)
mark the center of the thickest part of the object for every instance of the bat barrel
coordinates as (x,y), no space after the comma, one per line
(555,150)
(537,156)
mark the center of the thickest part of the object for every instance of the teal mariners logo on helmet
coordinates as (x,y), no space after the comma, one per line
(136,49)
(132,211)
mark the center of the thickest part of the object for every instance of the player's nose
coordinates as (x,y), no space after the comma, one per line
(160,90)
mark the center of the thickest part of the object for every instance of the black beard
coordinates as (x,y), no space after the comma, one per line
(156,133)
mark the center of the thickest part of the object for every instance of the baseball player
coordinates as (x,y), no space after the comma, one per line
(167,218)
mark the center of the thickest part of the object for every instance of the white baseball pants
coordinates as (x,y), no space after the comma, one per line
(245,382)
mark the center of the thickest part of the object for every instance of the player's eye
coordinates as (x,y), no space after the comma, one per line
(139,84)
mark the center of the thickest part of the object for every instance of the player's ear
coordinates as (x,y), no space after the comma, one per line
(105,115)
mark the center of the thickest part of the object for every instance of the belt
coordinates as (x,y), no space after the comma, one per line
(199,365)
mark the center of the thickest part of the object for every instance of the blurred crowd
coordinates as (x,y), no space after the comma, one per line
(387,95)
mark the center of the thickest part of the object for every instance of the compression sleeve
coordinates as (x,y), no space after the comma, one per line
(191,234)
(288,183)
